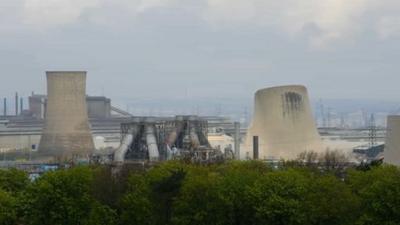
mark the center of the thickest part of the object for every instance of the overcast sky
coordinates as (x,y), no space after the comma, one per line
(203,48)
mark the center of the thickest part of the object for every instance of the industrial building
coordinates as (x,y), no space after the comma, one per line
(283,123)
(97,106)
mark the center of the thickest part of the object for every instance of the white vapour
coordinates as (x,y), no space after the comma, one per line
(320,21)
(45,13)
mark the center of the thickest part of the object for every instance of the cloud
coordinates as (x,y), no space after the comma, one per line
(148,4)
(389,26)
(333,19)
(321,22)
(48,13)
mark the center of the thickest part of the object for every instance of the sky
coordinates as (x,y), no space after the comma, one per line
(199,49)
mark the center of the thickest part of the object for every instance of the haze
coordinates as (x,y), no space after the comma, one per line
(156,49)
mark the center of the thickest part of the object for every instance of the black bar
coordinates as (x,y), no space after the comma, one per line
(255,148)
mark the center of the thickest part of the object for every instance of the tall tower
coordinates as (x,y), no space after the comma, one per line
(392,146)
(284,123)
(66,133)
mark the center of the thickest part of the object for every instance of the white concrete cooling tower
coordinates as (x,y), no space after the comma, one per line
(66,134)
(284,123)
(392,146)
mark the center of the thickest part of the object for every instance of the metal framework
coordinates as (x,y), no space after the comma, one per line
(160,139)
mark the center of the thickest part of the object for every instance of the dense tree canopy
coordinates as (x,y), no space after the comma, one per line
(176,193)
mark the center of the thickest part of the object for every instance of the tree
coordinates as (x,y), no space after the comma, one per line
(329,201)
(59,198)
(164,193)
(278,198)
(101,215)
(333,160)
(8,212)
(379,191)
(202,202)
(13,180)
(308,158)
(236,178)
(136,205)
(108,188)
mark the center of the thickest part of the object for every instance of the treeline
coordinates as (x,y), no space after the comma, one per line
(233,193)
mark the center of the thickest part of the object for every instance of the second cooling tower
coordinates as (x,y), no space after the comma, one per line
(66,134)
(392,146)
(284,123)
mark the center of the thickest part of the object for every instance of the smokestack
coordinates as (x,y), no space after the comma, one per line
(237,140)
(66,134)
(255,148)
(284,123)
(5,107)
(16,103)
(21,105)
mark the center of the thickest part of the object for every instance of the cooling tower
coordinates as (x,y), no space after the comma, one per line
(66,134)
(284,123)
(392,148)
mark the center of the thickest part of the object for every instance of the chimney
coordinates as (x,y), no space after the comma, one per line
(237,140)
(5,107)
(21,105)
(16,103)
(255,148)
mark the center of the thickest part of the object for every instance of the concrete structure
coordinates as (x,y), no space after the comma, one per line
(66,133)
(284,123)
(392,148)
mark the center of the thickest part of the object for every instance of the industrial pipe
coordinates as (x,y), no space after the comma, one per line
(152,146)
(119,154)
(194,138)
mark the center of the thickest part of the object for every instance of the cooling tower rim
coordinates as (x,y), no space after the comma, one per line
(61,72)
(393,117)
(283,87)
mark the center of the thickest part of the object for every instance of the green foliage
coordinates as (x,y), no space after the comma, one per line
(379,190)
(277,198)
(136,205)
(8,213)
(175,193)
(12,183)
(107,188)
(330,201)
(59,198)
(101,215)
(13,180)
(237,178)
(202,202)
(165,191)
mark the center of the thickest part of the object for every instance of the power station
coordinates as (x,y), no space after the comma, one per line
(284,123)
(67,125)
(66,134)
